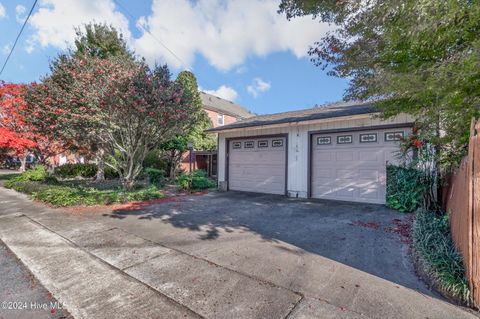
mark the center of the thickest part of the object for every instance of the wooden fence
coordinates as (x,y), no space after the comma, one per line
(463,202)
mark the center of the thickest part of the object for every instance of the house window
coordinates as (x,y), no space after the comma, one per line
(393,136)
(221,119)
(344,139)
(262,144)
(237,145)
(368,138)
(324,140)
(248,144)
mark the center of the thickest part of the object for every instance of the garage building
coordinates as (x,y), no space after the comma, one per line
(338,152)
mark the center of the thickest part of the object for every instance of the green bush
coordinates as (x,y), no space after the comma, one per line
(432,240)
(85,170)
(49,190)
(153,159)
(155,176)
(110,173)
(38,174)
(197,180)
(405,188)
(75,170)
(69,196)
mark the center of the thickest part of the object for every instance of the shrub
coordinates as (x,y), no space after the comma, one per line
(38,174)
(200,180)
(405,188)
(110,173)
(197,180)
(85,170)
(155,176)
(69,196)
(153,159)
(144,194)
(74,170)
(441,261)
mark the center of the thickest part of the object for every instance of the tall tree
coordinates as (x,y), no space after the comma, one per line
(115,105)
(100,41)
(175,149)
(421,57)
(147,110)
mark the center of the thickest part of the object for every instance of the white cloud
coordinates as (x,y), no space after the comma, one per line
(55,20)
(225,92)
(258,86)
(20,13)
(3,12)
(6,48)
(224,32)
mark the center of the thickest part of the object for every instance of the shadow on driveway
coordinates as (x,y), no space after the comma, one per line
(364,236)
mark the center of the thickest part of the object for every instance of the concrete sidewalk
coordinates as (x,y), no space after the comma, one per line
(112,274)
(141,266)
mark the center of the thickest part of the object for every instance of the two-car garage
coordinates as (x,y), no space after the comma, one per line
(337,153)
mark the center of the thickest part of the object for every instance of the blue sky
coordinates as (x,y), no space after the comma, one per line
(241,50)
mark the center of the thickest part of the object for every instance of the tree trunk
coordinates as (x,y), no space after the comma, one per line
(23,163)
(173,166)
(99,157)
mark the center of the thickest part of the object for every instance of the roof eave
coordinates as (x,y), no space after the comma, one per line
(222,129)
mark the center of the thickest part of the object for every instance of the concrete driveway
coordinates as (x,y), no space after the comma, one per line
(347,255)
(245,255)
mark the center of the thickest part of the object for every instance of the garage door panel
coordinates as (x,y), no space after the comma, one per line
(346,174)
(257,169)
(344,155)
(368,174)
(323,173)
(369,193)
(369,156)
(325,156)
(355,171)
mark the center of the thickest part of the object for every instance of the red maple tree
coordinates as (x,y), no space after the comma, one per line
(17,137)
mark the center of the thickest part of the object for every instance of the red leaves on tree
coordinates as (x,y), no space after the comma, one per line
(12,141)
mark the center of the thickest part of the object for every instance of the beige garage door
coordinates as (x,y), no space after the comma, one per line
(352,166)
(257,165)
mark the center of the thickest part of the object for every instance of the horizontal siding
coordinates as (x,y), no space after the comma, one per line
(298,145)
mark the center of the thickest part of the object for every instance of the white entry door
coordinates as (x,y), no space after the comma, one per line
(257,165)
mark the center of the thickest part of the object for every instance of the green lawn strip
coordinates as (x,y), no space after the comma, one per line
(438,257)
(61,196)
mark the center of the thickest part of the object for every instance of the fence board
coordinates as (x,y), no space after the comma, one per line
(475,263)
(463,204)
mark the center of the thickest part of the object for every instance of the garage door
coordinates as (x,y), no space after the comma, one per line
(257,165)
(352,166)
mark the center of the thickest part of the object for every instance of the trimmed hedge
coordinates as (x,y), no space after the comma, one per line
(405,188)
(87,170)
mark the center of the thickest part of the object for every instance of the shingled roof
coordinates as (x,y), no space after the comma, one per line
(214,103)
(320,112)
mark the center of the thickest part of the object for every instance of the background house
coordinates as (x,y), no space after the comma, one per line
(221,112)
